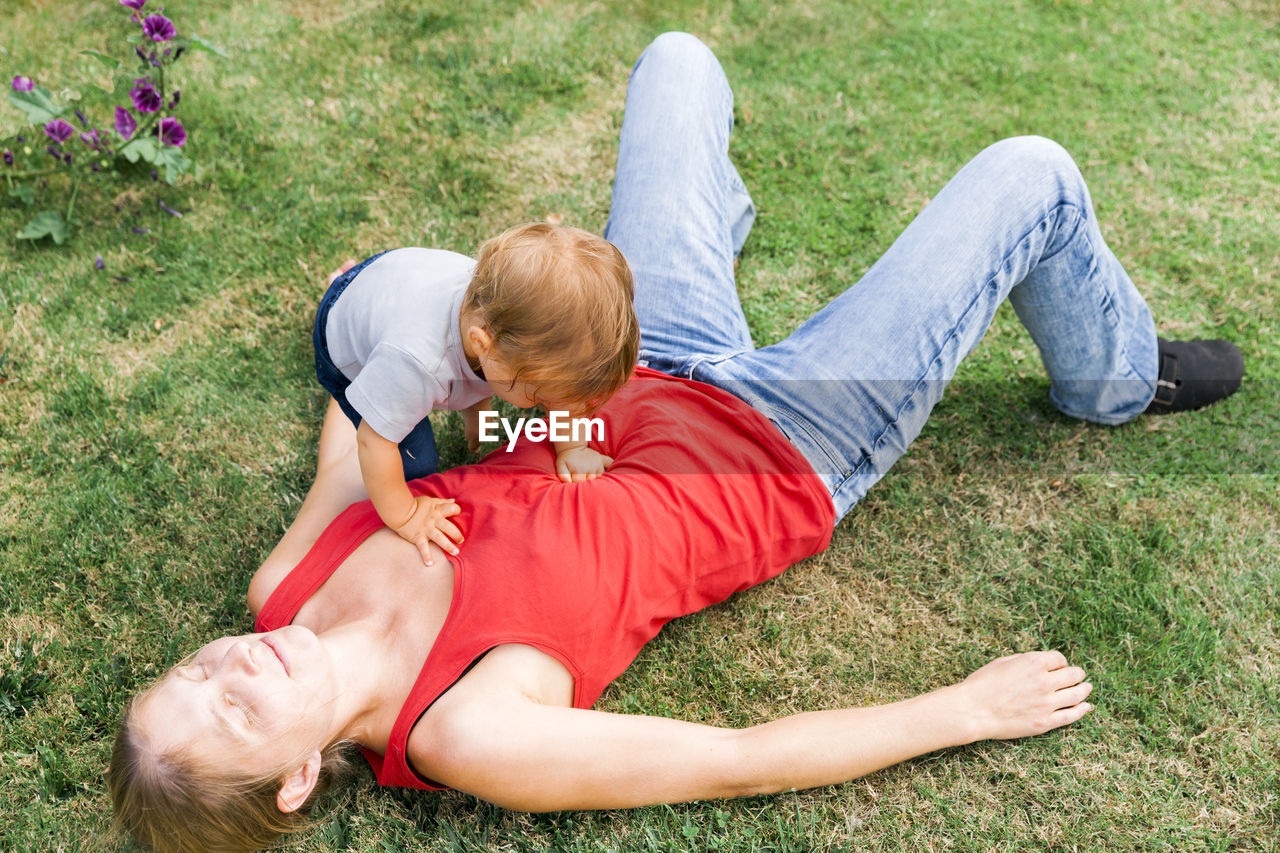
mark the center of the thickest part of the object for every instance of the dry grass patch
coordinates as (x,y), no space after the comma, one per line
(572,155)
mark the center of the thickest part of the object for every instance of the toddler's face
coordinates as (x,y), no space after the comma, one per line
(519,393)
(499,375)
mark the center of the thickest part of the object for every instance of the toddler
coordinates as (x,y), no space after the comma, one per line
(543,316)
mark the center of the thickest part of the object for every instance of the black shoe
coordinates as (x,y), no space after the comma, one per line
(1194,374)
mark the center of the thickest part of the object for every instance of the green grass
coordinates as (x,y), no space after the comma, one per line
(156,434)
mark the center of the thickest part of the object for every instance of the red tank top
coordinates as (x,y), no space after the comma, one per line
(705,497)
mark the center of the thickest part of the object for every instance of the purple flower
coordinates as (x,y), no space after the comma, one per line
(98,263)
(8,158)
(135,5)
(172,132)
(158,28)
(145,97)
(84,122)
(92,140)
(169,210)
(53,152)
(23,84)
(177,93)
(58,130)
(125,125)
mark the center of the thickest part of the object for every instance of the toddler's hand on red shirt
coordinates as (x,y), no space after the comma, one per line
(430,523)
(577,464)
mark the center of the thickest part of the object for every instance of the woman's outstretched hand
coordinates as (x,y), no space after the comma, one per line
(1022,695)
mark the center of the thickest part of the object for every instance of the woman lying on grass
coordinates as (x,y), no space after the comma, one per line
(730,464)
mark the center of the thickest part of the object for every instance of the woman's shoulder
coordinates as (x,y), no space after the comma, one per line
(469,732)
(265,581)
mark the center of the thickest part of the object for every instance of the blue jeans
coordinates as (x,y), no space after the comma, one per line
(853,386)
(417,449)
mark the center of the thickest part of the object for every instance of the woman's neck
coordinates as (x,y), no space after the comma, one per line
(378,616)
(365,676)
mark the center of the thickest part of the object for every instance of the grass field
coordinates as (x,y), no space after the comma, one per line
(159,417)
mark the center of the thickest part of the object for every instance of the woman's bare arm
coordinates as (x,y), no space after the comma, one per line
(521,754)
(338,484)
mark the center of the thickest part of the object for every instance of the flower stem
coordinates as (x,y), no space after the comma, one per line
(75,188)
(32,173)
(163,106)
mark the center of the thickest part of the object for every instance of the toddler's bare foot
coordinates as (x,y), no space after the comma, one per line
(346,265)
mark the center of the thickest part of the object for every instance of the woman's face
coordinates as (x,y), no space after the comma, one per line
(257,701)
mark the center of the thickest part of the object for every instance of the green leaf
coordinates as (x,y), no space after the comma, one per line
(47,223)
(141,148)
(166,157)
(110,61)
(197,43)
(173,161)
(26,192)
(37,105)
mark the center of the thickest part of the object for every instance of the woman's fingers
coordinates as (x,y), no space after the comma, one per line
(1065,677)
(1067,716)
(1029,693)
(1072,695)
(1068,703)
(1052,658)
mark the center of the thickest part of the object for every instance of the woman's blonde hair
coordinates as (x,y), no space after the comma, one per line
(172,802)
(559,305)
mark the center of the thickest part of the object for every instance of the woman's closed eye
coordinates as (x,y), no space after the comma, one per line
(242,708)
(194,671)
